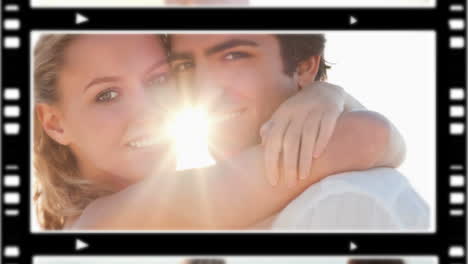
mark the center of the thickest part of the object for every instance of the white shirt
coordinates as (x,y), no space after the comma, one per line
(377,199)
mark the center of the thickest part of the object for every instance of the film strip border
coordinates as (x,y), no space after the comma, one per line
(11,126)
(16,128)
(457,115)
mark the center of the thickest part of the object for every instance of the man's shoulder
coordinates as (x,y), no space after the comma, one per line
(379,182)
(379,198)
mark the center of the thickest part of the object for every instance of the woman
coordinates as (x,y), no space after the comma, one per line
(103,159)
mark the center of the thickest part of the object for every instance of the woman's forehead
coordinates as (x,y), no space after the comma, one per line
(104,48)
(92,56)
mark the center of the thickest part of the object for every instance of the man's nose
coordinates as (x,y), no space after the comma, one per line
(209,86)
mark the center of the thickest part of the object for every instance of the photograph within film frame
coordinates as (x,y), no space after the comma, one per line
(403,205)
(447,241)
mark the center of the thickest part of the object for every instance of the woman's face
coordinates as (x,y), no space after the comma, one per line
(114,92)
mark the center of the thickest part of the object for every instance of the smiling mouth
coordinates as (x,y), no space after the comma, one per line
(142,143)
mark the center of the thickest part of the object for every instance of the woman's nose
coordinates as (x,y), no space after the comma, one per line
(144,105)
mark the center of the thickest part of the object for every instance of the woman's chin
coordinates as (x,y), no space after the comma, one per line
(150,158)
(146,167)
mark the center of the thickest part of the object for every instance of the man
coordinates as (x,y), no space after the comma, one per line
(251,76)
(243,80)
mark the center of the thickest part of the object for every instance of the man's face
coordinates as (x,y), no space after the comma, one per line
(239,79)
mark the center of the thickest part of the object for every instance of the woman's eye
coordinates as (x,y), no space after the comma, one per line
(236,55)
(182,67)
(107,96)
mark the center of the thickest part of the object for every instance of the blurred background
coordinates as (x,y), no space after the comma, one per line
(394,73)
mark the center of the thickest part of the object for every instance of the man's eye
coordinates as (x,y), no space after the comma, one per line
(106,96)
(236,55)
(182,67)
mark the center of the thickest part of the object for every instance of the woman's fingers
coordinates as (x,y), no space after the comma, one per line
(265,131)
(327,126)
(291,149)
(273,148)
(309,137)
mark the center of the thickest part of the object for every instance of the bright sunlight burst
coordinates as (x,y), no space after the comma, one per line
(189,129)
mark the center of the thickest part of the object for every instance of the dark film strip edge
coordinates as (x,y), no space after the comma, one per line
(456,23)
(11,132)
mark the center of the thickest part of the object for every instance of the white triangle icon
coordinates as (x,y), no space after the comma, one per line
(352,20)
(79,244)
(79,18)
(352,246)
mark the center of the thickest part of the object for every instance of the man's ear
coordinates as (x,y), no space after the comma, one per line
(52,124)
(307,71)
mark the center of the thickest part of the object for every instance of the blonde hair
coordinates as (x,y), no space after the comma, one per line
(59,190)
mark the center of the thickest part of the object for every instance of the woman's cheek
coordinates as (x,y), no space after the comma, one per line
(106,125)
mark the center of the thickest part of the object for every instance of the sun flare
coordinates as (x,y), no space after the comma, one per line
(189,129)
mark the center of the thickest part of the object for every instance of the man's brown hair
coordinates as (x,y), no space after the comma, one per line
(296,48)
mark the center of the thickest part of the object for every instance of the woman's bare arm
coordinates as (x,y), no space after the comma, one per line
(395,153)
(235,194)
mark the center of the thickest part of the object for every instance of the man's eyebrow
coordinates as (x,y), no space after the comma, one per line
(180,56)
(101,80)
(230,44)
